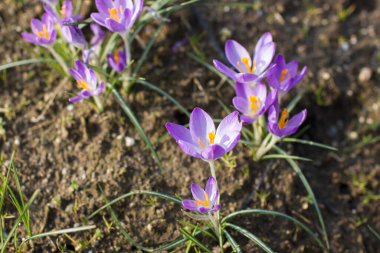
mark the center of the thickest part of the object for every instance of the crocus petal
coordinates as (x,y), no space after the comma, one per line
(127,19)
(213,152)
(292,68)
(36,25)
(30,37)
(246,77)
(99,34)
(114,26)
(198,192)
(271,98)
(241,104)
(224,69)
(230,141)
(263,57)
(99,18)
(75,99)
(138,6)
(201,124)
(190,205)
(100,89)
(103,5)
(264,39)
(297,119)
(235,52)
(216,208)
(179,132)
(247,119)
(189,148)
(77,76)
(211,190)
(229,125)
(240,89)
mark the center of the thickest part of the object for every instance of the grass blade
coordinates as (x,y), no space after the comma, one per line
(374,232)
(129,194)
(279,214)
(23,62)
(58,232)
(194,240)
(12,231)
(165,94)
(136,124)
(250,236)
(280,156)
(235,246)
(310,143)
(309,191)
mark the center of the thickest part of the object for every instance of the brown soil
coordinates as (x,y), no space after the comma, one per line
(56,145)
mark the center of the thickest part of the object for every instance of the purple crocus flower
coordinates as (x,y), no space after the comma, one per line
(43,31)
(118,15)
(201,140)
(284,76)
(118,60)
(204,200)
(252,101)
(86,80)
(283,126)
(248,69)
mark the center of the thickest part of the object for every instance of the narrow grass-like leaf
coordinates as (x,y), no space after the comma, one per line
(250,236)
(165,94)
(294,102)
(374,232)
(129,194)
(235,246)
(202,230)
(310,143)
(24,62)
(191,238)
(280,156)
(58,232)
(110,45)
(12,231)
(279,214)
(136,124)
(310,192)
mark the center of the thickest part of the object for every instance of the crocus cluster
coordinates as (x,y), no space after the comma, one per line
(253,97)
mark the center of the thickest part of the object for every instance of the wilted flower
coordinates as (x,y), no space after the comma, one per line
(252,102)
(248,70)
(201,140)
(119,15)
(284,126)
(86,80)
(204,200)
(43,31)
(284,76)
(118,60)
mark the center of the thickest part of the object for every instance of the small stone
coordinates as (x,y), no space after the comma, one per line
(365,74)
(70,107)
(353,135)
(129,142)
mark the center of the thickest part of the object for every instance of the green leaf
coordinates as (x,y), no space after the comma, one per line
(235,246)
(279,214)
(194,240)
(165,94)
(310,143)
(129,194)
(24,62)
(374,232)
(136,124)
(280,156)
(310,192)
(250,236)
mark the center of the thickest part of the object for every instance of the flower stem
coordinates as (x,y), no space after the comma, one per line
(59,59)
(126,84)
(265,146)
(216,219)
(98,103)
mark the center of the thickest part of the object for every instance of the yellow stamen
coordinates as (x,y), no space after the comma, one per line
(283,119)
(283,75)
(255,103)
(201,143)
(114,14)
(44,33)
(116,57)
(211,137)
(83,84)
(205,203)
(245,61)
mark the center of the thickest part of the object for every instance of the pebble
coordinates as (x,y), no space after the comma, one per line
(70,107)
(365,74)
(129,142)
(353,135)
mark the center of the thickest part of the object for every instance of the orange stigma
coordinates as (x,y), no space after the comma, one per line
(283,119)
(116,57)
(211,137)
(83,84)
(283,75)
(114,15)
(44,33)
(205,203)
(255,103)
(245,61)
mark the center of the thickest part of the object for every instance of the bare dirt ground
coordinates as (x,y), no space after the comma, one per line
(57,145)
